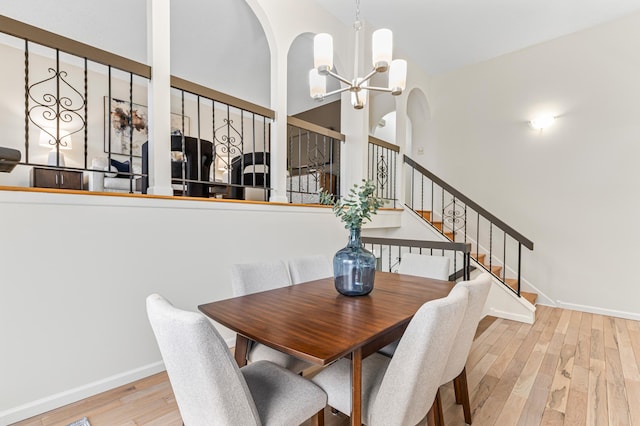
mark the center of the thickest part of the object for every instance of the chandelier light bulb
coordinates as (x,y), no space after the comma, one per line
(397,76)
(323,52)
(382,49)
(317,84)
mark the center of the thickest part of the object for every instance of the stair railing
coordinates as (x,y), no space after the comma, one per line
(382,169)
(389,253)
(461,219)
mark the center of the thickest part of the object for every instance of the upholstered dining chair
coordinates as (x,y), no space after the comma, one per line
(209,387)
(251,278)
(309,268)
(424,265)
(455,370)
(402,390)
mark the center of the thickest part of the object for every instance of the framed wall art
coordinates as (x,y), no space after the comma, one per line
(126,126)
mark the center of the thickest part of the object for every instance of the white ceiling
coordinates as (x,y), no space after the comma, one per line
(443,35)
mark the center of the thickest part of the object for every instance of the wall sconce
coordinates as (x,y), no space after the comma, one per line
(63,141)
(542,122)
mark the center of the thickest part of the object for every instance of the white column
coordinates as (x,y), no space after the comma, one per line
(355,127)
(159,96)
(403,143)
(278,168)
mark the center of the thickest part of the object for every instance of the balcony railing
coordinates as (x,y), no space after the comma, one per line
(239,134)
(383,169)
(313,161)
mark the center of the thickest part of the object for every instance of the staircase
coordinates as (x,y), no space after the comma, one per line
(479,258)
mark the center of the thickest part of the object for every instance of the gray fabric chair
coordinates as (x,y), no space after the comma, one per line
(309,268)
(424,265)
(402,389)
(478,289)
(255,277)
(209,387)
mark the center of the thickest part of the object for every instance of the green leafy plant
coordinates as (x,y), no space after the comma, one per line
(357,206)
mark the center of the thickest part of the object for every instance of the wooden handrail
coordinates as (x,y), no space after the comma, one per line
(306,125)
(67,45)
(436,245)
(196,89)
(466,200)
(384,144)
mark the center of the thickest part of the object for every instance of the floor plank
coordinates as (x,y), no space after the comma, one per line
(569,368)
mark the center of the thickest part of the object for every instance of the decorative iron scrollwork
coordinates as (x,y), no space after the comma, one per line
(454,215)
(56,106)
(382,172)
(227,142)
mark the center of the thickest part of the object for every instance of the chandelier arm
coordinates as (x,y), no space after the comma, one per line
(335,92)
(378,89)
(367,77)
(339,77)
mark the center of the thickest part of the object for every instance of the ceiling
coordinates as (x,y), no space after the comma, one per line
(443,35)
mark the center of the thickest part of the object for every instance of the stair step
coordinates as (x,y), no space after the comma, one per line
(437,225)
(449,235)
(495,270)
(425,214)
(479,257)
(513,283)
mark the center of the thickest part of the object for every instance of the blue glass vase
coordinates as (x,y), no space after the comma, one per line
(354,267)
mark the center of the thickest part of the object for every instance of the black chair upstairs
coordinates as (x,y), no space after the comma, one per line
(239,176)
(194,189)
(9,158)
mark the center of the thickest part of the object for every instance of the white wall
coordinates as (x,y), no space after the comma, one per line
(76,271)
(571,189)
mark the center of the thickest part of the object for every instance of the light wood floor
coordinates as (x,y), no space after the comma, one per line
(568,368)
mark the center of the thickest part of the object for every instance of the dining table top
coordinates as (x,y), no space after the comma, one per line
(313,322)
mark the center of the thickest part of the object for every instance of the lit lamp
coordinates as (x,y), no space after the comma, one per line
(382,52)
(542,122)
(63,142)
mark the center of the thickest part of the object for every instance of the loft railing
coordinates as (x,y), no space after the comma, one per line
(239,133)
(382,169)
(313,161)
(498,247)
(61,108)
(389,253)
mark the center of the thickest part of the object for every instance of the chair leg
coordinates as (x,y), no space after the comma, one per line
(462,393)
(318,418)
(457,391)
(435,416)
(438,406)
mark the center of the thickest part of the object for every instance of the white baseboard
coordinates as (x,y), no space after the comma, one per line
(57,400)
(599,311)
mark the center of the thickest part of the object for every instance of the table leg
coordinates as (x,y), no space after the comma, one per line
(240,351)
(356,387)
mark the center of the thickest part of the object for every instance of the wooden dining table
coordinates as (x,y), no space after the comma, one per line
(313,322)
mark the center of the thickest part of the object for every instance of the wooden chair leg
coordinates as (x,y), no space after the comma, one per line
(431,415)
(318,418)
(439,413)
(462,393)
(457,391)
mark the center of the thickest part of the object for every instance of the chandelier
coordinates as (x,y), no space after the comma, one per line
(382,52)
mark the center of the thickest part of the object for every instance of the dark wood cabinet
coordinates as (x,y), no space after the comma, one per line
(58,179)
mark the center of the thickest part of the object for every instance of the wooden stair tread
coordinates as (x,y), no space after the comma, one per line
(479,257)
(513,283)
(425,214)
(495,270)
